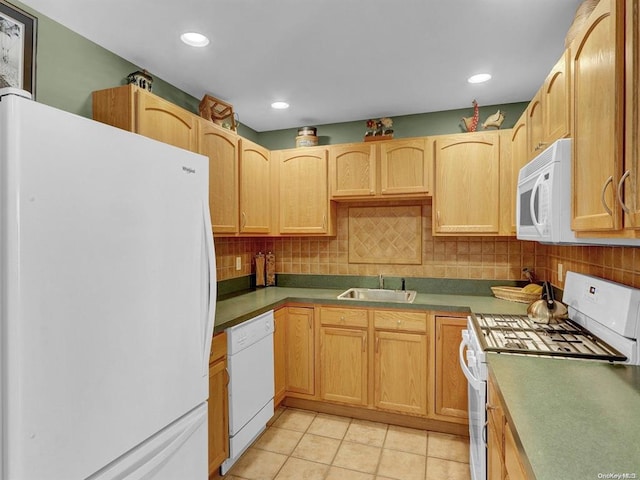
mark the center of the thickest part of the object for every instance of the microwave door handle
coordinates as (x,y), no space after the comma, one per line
(538,226)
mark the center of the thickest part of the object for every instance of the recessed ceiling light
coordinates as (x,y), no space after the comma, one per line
(279,105)
(194,39)
(479,78)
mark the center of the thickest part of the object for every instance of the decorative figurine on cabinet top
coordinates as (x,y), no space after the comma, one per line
(379,129)
(471,123)
(141,79)
(494,120)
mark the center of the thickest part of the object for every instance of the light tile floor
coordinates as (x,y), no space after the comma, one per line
(304,445)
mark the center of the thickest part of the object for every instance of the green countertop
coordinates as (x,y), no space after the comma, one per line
(573,419)
(235,310)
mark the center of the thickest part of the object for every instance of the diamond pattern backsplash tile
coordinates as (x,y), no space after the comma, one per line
(385,235)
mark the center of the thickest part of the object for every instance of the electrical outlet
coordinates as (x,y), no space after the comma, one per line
(238,263)
(560,272)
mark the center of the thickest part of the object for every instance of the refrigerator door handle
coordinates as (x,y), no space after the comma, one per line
(209,288)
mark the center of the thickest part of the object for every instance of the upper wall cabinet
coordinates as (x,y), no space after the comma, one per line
(466,197)
(598,61)
(519,158)
(548,116)
(139,111)
(221,146)
(255,188)
(380,170)
(304,206)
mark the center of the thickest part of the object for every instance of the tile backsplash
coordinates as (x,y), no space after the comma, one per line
(442,257)
(492,258)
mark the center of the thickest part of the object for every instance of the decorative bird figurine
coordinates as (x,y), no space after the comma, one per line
(494,120)
(471,123)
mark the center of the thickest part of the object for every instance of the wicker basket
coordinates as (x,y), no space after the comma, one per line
(514,294)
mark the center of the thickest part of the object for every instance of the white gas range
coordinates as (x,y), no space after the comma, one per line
(603,325)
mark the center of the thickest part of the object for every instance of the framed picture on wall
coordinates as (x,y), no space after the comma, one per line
(17,48)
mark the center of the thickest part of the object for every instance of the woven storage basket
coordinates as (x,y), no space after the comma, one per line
(582,14)
(514,294)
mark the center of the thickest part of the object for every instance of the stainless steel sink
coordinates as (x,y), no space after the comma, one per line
(378,295)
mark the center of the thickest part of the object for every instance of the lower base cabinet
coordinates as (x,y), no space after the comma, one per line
(218,413)
(451,397)
(504,461)
(378,360)
(401,361)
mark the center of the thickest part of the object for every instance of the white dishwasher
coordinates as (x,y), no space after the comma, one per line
(251,389)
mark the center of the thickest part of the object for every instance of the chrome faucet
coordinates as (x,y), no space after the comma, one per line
(380,281)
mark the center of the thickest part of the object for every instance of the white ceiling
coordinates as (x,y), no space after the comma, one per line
(332,60)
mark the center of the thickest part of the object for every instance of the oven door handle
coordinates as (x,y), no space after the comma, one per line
(475,383)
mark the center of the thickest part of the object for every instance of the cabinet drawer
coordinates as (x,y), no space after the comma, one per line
(218,347)
(349,317)
(407,321)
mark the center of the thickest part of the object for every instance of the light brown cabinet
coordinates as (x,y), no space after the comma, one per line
(380,170)
(255,188)
(450,383)
(548,116)
(343,363)
(162,120)
(466,199)
(136,110)
(598,57)
(279,355)
(304,206)
(218,407)
(504,459)
(519,158)
(300,350)
(221,146)
(400,365)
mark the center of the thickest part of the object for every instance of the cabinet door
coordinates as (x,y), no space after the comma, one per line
(352,170)
(556,101)
(255,188)
(451,384)
(401,372)
(467,188)
(598,93)
(343,365)
(161,120)
(519,158)
(535,135)
(304,196)
(631,180)
(299,350)
(279,355)
(221,146)
(405,167)
(218,420)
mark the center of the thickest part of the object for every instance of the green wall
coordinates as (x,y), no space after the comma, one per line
(69,67)
(436,123)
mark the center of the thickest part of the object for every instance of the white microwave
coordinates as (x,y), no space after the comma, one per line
(543,204)
(543,201)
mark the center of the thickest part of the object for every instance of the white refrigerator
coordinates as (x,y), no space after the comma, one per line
(107,300)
